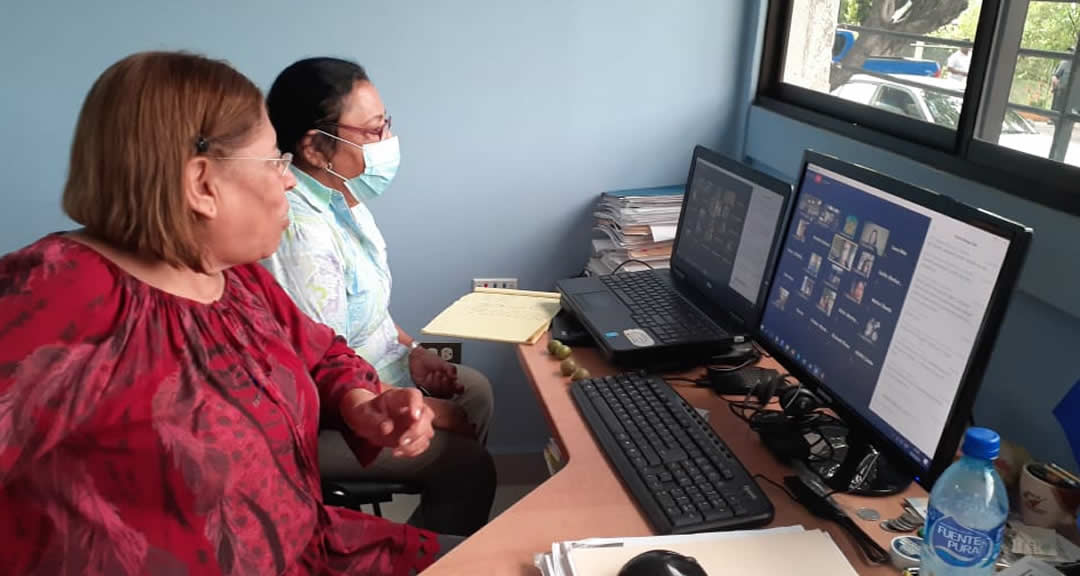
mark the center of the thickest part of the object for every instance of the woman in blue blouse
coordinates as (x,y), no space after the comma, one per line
(332,260)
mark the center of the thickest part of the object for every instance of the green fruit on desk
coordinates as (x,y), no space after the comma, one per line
(554,345)
(568,366)
(563,352)
(580,374)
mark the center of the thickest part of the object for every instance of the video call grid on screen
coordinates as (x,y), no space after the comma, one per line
(729,227)
(841,286)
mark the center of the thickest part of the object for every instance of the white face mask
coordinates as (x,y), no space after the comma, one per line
(381,161)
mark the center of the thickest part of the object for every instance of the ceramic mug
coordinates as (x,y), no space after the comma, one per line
(1047,500)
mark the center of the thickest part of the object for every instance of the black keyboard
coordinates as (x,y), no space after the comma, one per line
(683,477)
(655,306)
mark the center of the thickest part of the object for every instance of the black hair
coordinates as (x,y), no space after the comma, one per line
(309,94)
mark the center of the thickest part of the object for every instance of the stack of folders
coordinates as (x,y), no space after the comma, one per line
(788,550)
(634,224)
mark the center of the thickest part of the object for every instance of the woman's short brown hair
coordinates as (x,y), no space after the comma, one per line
(143,120)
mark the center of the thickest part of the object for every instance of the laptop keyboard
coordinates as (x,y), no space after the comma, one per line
(656,306)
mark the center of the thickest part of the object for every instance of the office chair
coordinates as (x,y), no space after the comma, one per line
(353,494)
(339,489)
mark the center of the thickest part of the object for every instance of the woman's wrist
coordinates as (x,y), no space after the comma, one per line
(356,397)
(404,339)
(353,400)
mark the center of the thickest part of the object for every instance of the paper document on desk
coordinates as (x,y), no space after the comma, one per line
(605,556)
(662,232)
(1029,566)
(556,563)
(1033,541)
(515,316)
(807,553)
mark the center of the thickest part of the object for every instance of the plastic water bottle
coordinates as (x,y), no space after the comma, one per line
(967,512)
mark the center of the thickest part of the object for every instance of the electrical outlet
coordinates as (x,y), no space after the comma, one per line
(449,351)
(509,283)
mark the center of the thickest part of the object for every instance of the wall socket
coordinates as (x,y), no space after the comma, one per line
(449,351)
(509,283)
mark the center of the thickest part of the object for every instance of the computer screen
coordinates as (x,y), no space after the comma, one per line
(729,226)
(881,300)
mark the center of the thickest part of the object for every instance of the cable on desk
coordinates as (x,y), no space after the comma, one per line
(739,408)
(629,260)
(778,485)
(735,368)
(674,379)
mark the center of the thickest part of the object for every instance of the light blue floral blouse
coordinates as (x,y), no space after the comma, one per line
(332,262)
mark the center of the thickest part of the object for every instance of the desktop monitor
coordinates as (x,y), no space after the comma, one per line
(728,235)
(887,299)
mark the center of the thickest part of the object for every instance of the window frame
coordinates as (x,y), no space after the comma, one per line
(958,152)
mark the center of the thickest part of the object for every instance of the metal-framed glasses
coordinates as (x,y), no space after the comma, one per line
(280,163)
(371,134)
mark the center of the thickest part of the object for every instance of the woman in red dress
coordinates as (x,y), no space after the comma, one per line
(160,395)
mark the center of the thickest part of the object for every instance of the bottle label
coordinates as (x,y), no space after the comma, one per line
(958,545)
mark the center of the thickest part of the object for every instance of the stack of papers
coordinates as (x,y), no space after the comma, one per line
(1041,543)
(634,225)
(498,315)
(788,550)
(1029,566)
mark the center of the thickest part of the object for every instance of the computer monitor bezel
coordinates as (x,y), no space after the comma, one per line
(724,304)
(1019,238)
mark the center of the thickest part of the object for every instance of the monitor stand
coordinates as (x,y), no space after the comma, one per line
(867,472)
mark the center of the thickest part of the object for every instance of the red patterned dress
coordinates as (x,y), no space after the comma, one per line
(144,433)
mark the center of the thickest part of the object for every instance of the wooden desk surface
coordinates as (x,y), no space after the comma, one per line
(586,499)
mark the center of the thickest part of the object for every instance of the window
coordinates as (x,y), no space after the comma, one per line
(1033,79)
(989,89)
(834,45)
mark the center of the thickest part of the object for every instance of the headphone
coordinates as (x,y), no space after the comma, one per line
(795,400)
(766,388)
(798,401)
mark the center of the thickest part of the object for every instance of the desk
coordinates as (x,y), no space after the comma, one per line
(586,499)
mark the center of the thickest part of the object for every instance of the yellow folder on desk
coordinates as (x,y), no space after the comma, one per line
(515,316)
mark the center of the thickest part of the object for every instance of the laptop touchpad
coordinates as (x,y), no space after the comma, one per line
(602,300)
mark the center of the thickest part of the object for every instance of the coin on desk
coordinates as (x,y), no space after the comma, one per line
(868,514)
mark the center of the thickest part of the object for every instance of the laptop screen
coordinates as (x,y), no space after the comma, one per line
(729,225)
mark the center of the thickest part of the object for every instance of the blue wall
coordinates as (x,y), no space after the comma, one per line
(513,117)
(1034,361)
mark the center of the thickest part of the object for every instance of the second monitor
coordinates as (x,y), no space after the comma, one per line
(888,298)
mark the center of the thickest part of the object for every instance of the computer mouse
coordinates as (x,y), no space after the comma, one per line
(662,563)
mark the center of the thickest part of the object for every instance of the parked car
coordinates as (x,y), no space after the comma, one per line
(929,105)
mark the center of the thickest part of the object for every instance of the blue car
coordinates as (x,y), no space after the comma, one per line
(845,39)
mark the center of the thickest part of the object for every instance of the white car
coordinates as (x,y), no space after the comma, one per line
(944,109)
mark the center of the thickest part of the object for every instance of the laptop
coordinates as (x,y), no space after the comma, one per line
(727,239)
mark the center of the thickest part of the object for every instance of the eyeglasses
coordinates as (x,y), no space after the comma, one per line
(371,134)
(282,161)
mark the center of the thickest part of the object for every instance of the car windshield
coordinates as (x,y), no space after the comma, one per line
(1015,124)
(944,109)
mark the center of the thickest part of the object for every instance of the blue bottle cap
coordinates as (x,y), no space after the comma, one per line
(982,443)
